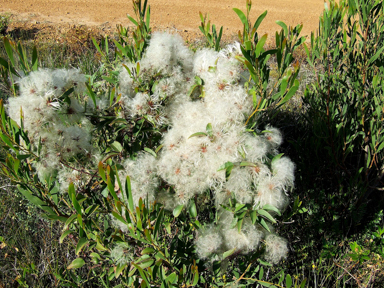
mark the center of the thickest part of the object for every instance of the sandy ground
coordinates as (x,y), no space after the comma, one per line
(178,15)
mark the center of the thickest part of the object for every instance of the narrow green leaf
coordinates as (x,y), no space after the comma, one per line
(9,50)
(69,221)
(65,234)
(209,129)
(91,93)
(150,151)
(177,210)
(277,157)
(35,59)
(132,20)
(259,20)
(119,269)
(374,57)
(226,166)
(98,49)
(102,172)
(283,25)
(147,250)
(271,208)
(171,278)
(72,196)
(111,188)
(119,217)
(242,17)
(302,285)
(142,273)
(266,214)
(128,192)
(7,141)
(159,220)
(245,163)
(77,263)
(260,45)
(82,242)
(264,224)
(229,253)
(192,209)
(198,134)
(288,281)
(261,273)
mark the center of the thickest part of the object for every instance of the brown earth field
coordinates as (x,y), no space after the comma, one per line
(175,16)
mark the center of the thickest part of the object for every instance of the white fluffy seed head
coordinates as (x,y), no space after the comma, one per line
(121,254)
(273,136)
(208,242)
(283,170)
(276,248)
(270,191)
(143,175)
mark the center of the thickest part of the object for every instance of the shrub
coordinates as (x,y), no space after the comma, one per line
(160,171)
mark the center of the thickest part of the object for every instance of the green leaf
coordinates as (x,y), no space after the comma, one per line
(171,278)
(129,196)
(102,172)
(99,246)
(119,217)
(260,45)
(98,50)
(261,273)
(142,273)
(8,142)
(226,166)
(77,263)
(147,250)
(35,200)
(65,234)
(259,20)
(288,281)
(277,157)
(9,50)
(242,17)
(150,151)
(111,188)
(229,253)
(192,209)
(35,61)
(177,210)
(82,242)
(119,269)
(69,221)
(198,134)
(116,146)
(271,208)
(245,163)
(159,220)
(91,94)
(72,196)
(290,93)
(264,224)
(253,215)
(374,57)
(132,20)
(209,129)
(283,25)
(266,214)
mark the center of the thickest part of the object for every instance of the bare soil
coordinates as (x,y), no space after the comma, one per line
(175,15)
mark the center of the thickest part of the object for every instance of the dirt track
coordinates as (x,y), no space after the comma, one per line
(176,15)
